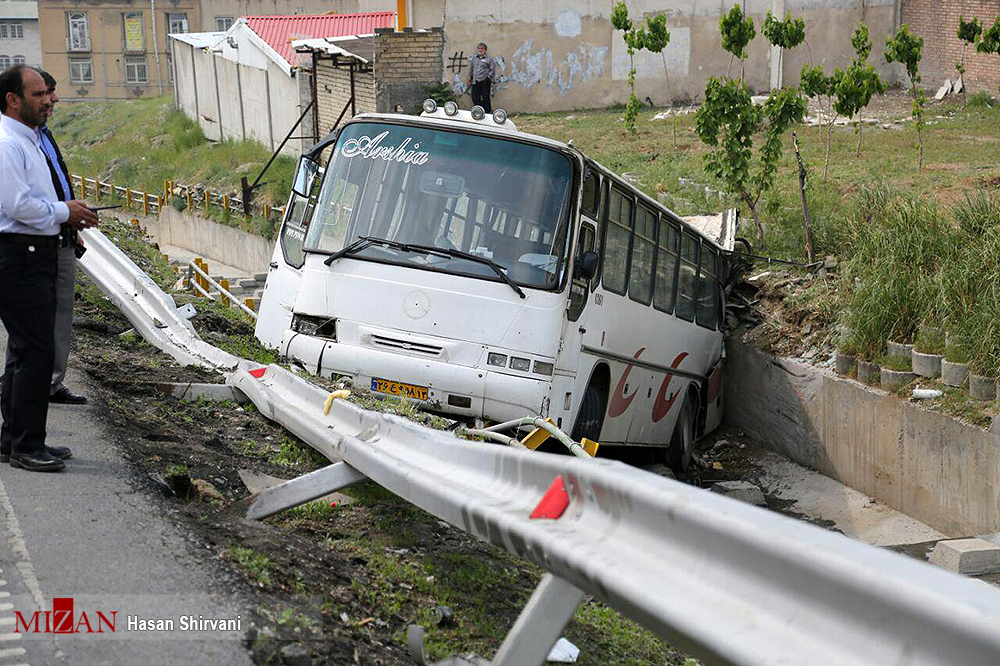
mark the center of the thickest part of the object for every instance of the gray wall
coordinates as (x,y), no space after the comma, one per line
(30,47)
(923,463)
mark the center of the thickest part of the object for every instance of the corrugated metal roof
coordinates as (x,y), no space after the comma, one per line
(22,10)
(280,31)
(356,47)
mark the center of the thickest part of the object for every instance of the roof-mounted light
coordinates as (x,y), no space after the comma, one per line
(499,116)
(450,108)
(430,106)
(478,112)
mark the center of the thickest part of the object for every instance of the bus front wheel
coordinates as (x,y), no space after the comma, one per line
(682,440)
(590,419)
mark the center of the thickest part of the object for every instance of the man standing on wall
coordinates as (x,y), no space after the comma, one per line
(482,69)
(69,246)
(30,219)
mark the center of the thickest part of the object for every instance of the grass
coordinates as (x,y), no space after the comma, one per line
(139,143)
(897,363)
(959,152)
(255,566)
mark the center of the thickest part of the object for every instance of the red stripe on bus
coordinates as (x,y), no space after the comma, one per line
(619,402)
(661,406)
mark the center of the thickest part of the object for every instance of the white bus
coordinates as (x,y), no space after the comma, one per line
(492,274)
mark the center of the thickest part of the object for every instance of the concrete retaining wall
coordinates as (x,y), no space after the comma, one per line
(210,239)
(922,463)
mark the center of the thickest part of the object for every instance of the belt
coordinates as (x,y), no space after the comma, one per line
(29,239)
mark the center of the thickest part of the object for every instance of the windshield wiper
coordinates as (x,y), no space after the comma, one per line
(431,249)
(367,241)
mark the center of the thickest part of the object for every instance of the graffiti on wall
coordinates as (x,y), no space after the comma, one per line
(530,67)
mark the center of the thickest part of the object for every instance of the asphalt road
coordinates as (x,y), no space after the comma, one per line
(95,533)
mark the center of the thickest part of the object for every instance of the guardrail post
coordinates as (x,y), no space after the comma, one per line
(128,198)
(97,190)
(208,200)
(145,203)
(250,303)
(267,211)
(189,199)
(550,608)
(225,204)
(159,203)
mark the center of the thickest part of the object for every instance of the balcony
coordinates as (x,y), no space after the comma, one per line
(78,44)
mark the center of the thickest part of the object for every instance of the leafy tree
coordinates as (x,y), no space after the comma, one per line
(817,85)
(728,121)
(968,33)
(905,48)
(856,86)
(655,39)
(788,34)
(634,41)
(737,31)
(990,43)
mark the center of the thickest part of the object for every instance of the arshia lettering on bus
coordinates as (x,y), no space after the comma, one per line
(369,148)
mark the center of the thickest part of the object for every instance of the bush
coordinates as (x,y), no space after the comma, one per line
(897,244)
(981,100)
(179,203)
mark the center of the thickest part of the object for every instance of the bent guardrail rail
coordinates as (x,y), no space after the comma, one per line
(150,310)
(722,580)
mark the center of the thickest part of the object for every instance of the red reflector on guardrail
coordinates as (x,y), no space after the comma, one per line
(554,502)
(258,373)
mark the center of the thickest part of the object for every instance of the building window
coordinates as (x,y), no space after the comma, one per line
(81,70)
(11,31)
(223,23)
(4,62)
(78,35)
(135,70)
(134,37)
(18,60)
(177,23)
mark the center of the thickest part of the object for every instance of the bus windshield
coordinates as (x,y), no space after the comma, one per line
(497,199)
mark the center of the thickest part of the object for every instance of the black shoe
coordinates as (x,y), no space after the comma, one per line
(36,462)
(64,396)
(61,452)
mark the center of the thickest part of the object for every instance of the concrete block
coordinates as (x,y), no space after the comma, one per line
(954,374)
(260,277)
(845,363)
(893,379)
(869,373)
(967,556)
(926,365)
(982,388)
(740,490)
(899,350)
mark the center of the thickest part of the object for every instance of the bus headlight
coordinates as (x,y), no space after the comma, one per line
(478,112)
(319,327)
(543,368)
(499,116)
(450,108)
(518,363)
(430,106)
(499,360)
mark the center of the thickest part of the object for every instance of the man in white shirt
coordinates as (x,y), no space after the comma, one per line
(30,215)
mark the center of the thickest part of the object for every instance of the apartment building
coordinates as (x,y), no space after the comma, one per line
(112,49)
(19,42)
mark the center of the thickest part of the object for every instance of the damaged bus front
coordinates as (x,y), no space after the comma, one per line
(428,261)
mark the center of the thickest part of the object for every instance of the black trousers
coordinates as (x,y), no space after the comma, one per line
(28,310)
(481,94)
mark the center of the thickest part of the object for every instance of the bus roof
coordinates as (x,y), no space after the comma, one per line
(718,229)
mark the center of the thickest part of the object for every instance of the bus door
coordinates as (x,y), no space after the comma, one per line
(274,315)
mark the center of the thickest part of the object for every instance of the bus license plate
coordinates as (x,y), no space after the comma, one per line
(399,388)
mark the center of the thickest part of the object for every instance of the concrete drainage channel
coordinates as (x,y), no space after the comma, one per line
(889,472)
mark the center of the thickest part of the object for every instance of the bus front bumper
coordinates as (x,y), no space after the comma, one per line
(509,396)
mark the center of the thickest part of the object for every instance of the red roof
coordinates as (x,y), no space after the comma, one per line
(280,31)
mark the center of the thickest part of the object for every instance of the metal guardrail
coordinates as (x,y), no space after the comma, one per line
(153,203)
(202,289)
(725,581)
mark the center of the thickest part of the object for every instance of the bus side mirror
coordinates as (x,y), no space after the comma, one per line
(305,174)
(586,265)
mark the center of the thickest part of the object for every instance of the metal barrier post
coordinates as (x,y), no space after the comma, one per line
(128,198)
(208,200)
(145,203)
(225,204)
(537,628)
(189,198)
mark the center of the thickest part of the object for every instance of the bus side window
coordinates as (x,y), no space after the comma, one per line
(687,277)
(578,286)
(666,266)
(707,298)
(591,194)
(640,281)
(617,234)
